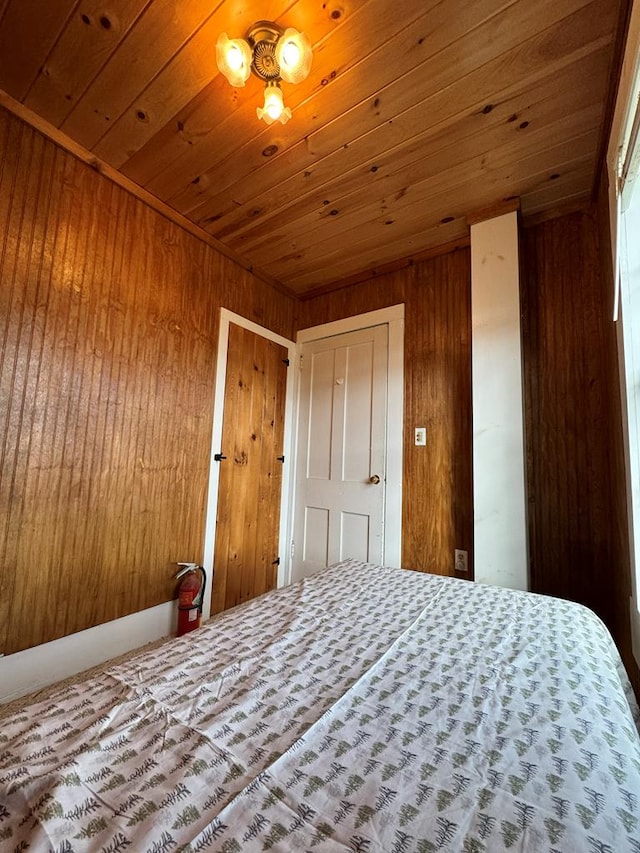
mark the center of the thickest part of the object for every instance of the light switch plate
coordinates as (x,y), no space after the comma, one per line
(420,436)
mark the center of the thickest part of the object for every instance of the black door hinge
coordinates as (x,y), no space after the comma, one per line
(218,457)
(286,361)
(280,458)
(276,562)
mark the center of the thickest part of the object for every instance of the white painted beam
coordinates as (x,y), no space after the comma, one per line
(500,523)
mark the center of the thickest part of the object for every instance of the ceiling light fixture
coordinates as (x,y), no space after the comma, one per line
(273,55)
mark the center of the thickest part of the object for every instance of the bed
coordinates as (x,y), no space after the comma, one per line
(364,709)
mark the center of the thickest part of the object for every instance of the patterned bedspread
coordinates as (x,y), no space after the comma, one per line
(364,709)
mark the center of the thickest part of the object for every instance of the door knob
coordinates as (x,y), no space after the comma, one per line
(375,479)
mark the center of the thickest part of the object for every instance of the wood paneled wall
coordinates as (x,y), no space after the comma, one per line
(437,482)
(108,328)
(567,395)
(576,490)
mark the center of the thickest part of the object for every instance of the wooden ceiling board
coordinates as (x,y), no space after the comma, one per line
(409,214)
(391,141)
(570,185)
(297,163)
(160,32)
(358,84)
(87,41)
(373,257)
(408,217)
(404,167)
(28,31)
(439,62)
(416,113)
(379,238)
(309,97)
(187,73)
(196,130)
(203,130)
(509,71)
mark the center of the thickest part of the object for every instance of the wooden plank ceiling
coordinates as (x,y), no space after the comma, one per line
(416,114)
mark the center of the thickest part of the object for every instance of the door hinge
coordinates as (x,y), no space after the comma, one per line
(293,548)
(280,458)
(286,361)
(301,359)
(276,562)
(218,457)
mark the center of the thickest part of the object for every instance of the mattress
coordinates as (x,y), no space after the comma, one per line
(363,709)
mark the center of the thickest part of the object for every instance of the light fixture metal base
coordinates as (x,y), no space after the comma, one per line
(263,37)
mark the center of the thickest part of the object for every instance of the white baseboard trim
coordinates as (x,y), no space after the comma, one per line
(32,669)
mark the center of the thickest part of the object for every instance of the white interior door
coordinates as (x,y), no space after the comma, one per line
(341,478)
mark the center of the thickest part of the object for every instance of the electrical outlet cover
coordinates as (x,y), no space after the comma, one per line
(461,561)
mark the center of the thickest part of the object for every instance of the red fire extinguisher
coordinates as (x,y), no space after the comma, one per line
(190,596)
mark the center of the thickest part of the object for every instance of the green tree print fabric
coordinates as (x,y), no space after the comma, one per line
(364,709)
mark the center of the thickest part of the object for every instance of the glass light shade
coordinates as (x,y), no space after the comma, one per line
(294,56)
(274,108)
(234,59)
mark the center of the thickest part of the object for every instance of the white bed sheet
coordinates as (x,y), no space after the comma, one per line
(364,709)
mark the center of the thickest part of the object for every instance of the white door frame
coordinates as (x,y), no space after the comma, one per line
(284,568)
(393,317)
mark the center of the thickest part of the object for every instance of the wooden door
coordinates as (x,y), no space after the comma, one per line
(341,451)
(246,546)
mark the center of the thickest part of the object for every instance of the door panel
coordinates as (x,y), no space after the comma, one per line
(321,413)
(341,444)
(358,418)
(315,544)
(354,536)
(246,547)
